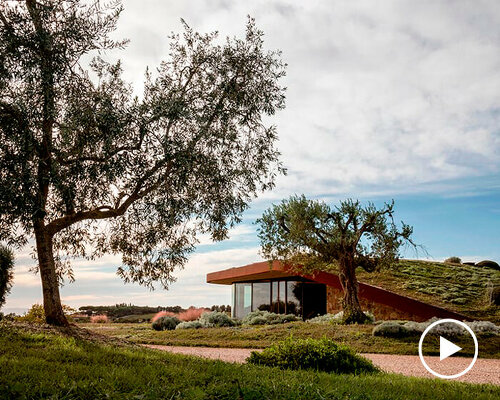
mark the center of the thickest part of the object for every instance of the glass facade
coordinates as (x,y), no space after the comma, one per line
(305,299)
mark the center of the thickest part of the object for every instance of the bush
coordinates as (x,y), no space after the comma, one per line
(337,318)
(259,317)
(488,264)
(166,323)
(216,319)
(6,272)
(189,325)
(99,319)
(191,314)
(36,314)
(317,354)
(411,328)
(453,260)
(161,314)
(390,329)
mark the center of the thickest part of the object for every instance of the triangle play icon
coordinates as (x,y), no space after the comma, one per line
(446,348)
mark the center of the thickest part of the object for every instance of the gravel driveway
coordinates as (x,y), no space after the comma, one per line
(484,370)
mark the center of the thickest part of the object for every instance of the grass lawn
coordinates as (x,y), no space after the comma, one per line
(358,337)
(46,364)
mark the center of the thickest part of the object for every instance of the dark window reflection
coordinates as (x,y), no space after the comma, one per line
(261,296)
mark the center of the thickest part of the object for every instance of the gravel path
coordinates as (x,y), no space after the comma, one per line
(484,370)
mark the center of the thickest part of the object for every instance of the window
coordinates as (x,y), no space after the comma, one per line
(261,296)
(242,299)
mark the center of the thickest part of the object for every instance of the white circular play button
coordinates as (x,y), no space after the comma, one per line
(447,348)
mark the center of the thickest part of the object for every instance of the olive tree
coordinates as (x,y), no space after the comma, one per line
(311,236)
(87,168)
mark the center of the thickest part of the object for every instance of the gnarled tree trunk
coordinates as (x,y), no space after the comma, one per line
(54,314)
(350,303)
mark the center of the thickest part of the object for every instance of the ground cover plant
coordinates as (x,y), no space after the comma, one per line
(458,287)
(259,317)
(316,354)
(358,337)
(49,365)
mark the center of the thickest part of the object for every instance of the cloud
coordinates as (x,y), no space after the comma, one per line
(377,96)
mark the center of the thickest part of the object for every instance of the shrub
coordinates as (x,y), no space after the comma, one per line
(161,314)
(191,314)
(166,323)
(317,354)
(35,315)
(216,319)
(488,264)
(390,329)
(400,329)
(99,319)
(453,260)
(260,317)
(337,318)
(189,325)
(6,272)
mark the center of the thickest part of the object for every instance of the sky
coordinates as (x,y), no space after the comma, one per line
(385,100)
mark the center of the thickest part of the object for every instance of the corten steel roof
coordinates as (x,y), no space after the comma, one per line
(267,270)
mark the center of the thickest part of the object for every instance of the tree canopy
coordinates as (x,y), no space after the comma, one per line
(311,236)
(89,168)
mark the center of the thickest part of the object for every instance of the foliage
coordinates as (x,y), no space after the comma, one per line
(488,264)
(189,325)
(162,314)
(45,365)
(165,323)
(36,314)
(390,329)
(310,236)
(123,310)
(99,319)
(441,284)
(77,147)
(338,318)
(191,314)
(259,317)
(6,272)
(406,329)
(358,337)
(320,355)
(453,260)
(221,308)
(216,319)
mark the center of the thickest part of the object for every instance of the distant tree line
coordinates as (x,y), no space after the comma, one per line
(122,310)
(221,308)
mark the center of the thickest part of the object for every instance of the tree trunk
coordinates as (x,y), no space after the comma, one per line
(350,303)
(54,314)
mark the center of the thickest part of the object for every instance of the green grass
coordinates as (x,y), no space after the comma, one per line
(358,337)
(37,365)
(460,288)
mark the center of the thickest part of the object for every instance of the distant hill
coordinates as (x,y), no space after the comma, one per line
(457,287)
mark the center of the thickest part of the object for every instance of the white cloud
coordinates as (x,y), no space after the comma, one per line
(377,94)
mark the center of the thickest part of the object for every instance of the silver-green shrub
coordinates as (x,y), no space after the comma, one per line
(259,317)
(337,318)
(189,325)
(216,319)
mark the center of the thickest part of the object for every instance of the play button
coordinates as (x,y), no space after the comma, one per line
(446,348)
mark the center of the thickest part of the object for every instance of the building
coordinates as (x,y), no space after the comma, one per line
(274,287)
